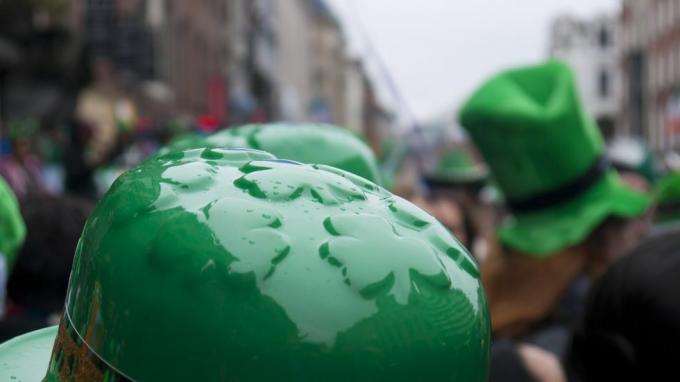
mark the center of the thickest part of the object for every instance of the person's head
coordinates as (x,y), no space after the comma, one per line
(632,322)
(614,239)
(40,275)
(214,264)
(452,216)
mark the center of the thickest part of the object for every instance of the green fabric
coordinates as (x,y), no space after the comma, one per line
(26,357)
(457,166)
(306,143)
(529,125)
(667,195)
(668,189)
(12,228)
(214,264)
(542,233)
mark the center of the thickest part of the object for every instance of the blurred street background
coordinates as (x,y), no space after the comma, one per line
(90,87)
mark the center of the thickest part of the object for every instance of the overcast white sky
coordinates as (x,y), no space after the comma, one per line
(439,50)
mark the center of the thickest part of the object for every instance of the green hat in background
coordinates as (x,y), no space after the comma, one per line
(214,264)
(306,143)
(12,228)
(667,195)
(457,167)
(548,158)
(628,154)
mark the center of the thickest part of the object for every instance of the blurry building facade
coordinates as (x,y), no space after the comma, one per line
(651,65)
(591,47)
(239,61)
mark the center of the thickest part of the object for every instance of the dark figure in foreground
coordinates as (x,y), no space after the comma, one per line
(37,285)
(632,320)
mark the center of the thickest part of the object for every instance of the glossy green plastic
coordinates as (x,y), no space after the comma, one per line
(26,357)
(534,134)
(12,227)
(214,264)
(306,143)
(458,167)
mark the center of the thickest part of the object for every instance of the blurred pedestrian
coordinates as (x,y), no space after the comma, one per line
(571,215)
(632,320)
(22,167)
(458,182)
(37,285)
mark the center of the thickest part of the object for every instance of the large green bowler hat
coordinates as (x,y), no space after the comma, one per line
(306,143)
(548,157)
(218,265)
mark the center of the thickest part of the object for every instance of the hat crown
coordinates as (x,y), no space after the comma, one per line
(531,128)
(215,264)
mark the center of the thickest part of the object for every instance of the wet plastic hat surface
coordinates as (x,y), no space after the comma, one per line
(215,264)
(25,358)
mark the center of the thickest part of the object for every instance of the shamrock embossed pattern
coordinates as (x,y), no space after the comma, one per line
(376,259)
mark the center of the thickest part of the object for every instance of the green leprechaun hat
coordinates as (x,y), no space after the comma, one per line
(307,143)
(12,227)
(548,158)
(214,264)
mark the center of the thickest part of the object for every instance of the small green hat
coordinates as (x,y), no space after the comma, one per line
(457,167)
(214,264)
(306,143)
(548,158)
(12,228)
(667,195)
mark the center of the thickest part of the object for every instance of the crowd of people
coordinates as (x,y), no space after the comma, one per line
(545,254)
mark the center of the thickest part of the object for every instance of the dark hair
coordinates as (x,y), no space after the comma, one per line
(632,321)
(40,276)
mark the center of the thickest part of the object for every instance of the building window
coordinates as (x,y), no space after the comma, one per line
(604,84)
(603,37)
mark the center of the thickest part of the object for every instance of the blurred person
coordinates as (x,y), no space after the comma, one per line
(274,270)
(37,285)
(22,168)
(462,180)
(571,215)
(451,215)
(79,171)
(632,319)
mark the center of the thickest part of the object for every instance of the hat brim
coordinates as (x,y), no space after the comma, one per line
(27,357)
(541,233)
